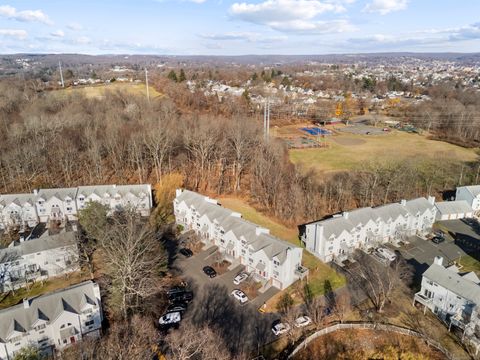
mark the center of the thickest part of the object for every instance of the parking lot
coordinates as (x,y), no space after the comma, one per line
(461,239)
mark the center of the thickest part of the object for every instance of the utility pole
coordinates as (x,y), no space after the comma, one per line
(146,84)
(61,74)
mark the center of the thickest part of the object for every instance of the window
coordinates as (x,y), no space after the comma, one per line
(276,262)
(15,339)
(40,327)
(250,260)
(275,273)
(88,323)
(243,251)
(69,208)
(88,311)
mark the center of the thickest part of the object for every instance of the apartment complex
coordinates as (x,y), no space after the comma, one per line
(52,321)
(275,262)
(37,259)
(337,237)
(62,204)
(453,296)
(471,194)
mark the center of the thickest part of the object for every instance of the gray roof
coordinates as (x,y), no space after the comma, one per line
(454,207)
(454,281)
(18,199)
(231,221)
(60,193)
(474,190)
(46,307)
(112,190)
(360,217)
(43,243)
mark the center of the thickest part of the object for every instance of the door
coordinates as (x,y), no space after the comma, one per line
(72,339)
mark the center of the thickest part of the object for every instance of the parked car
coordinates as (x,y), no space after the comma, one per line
(186,252)
(184,297)
(279,328)
(439,233)
(387,253)
(302,321)
(176,289)
(180,307)
(209,271)
(240,296)
(438,239)
(240,278)
(170,319)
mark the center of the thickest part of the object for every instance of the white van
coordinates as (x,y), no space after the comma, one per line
(387,254)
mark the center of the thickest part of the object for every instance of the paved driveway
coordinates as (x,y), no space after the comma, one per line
(460,240)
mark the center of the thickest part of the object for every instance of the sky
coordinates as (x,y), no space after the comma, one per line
(238,27)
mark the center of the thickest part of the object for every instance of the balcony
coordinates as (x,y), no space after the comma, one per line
(422,299)
(301,271)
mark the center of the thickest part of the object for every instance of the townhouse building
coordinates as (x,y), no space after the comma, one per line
(37,259)
(271,260)
(52,321)
(337,237)
(18,210)
(471,194)
(453,296)
(62,204)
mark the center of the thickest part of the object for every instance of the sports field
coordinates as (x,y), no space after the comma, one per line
(99,91)
(345,151)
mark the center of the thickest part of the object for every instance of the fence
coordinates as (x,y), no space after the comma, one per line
(369,326)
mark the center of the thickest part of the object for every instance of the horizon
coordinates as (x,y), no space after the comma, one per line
(239,27)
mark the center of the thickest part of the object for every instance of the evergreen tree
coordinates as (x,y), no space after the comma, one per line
(172,75)
(254,76)
(182,76)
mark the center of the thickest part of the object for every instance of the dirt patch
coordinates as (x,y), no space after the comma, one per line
(348,141)
(368,344)
(250,288)
(221,267)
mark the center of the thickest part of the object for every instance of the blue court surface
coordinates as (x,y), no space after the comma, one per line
(316,131)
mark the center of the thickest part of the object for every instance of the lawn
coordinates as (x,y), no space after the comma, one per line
(10,299)
(469,263)
(319,272)
(349,151)
(99,91)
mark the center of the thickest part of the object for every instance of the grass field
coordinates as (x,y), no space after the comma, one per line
(98,91)
(469,263)
(349,151)
(319,272)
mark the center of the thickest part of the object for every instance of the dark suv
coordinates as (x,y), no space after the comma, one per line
(183,297)
(209,271)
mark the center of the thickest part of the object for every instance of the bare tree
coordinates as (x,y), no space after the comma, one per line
(191,342)
(135,260)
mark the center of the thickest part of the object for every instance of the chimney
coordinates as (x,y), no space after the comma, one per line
(403,202)
(35,192)
(345,214)
(438,260)
(26,303)
(431,200)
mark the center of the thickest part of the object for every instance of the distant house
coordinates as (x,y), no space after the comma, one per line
(471,194)
(450,210)
(453,296)
(37,259)
(271,260)
(338,237)
(17,210)
(52,321)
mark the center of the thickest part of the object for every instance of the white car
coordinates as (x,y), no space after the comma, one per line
(170,318)
(387,254)
(280,328)
(240,296)
(302,321)
(240,278)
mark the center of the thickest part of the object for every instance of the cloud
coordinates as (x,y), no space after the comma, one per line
(25,15)
(57,34)
(14,33)
(243,36)
(384,7)
(293,15)
(75,26)
(423,38)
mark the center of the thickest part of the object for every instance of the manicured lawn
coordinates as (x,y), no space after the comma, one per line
(349,151)
(469,263)
(319,272)
(39,289)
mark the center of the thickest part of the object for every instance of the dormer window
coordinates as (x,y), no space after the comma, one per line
(40,202)
(81,198)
